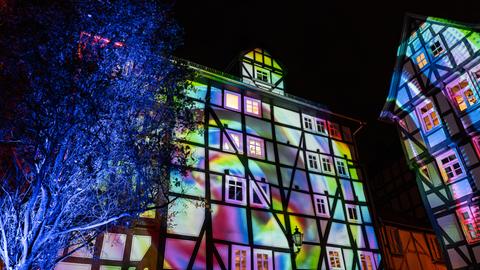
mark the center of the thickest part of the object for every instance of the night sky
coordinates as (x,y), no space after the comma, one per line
(336,53)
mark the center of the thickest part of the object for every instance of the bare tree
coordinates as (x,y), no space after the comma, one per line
(90,102)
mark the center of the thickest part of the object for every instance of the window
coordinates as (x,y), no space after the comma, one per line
(393,238)
(469,219)
(307,122)
(327,164)
(236,138)
(341,167)
(335,258)
(334,130)
(450,166)
(255,147)
(352,212)
(421,60)
(321,205)
(252,106)
(262,75)
(312,161)
(462,93)
(235,190)
(475,73)
(476,144)
(366,261)
(232,100)
(424,172)
(240,258)
(259,194)
(262,259)
(428,115)
(436,47)
(321,126)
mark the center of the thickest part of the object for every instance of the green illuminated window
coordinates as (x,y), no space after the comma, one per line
(262,75)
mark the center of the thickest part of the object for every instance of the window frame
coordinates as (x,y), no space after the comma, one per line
(313,158)
(225,142)
(355,209)
(261,145)
(247,256)
(243,185)
(366,254)
(344,164)
(334,130)
(319,122)
(316,198)
(331,165)
(310,122)
(471,220)
(256,252)
(428,113)
(432,43)
(331,250)
(450,164)
(461,93)
(417,61)
(254,101)
(265,74)
(226,104)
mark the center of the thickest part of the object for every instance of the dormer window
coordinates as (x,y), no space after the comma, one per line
(262,75)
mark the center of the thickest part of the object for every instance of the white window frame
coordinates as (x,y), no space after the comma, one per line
(228,105)
(264,252)
(263,74)
(320,122)
(252,106)
(352,208)
(450,166)
(237,138)
(257,144)
(238,182)
(430,114)
(339,254)
(317,200)
(460,97)
(330,164)
(341,165)
(313,162)
(308,122)
(246,249)
(262,193)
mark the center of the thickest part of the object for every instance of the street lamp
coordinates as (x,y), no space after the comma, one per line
(297,240)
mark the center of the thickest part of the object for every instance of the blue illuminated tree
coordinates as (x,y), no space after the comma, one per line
(91,99)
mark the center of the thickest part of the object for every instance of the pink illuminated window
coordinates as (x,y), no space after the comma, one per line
(262,260)
(240,258)
(428,115)
(462,93)
(470,219)
(255,147)
(236,138)
(334,130)
(253,106)
(321,205)
(235,190)
(232,100)
(450,166)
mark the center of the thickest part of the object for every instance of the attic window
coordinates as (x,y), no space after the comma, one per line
(436,48)
(421,60)
(262,75)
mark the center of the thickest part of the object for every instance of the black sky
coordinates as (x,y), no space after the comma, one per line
(337,53)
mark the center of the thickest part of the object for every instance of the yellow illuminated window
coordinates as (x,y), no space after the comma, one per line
(421,60)
(428,115)
(232,100)
(252,106)
(463,93)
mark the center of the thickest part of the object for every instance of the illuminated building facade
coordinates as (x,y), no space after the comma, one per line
(433,99)
(264,164)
